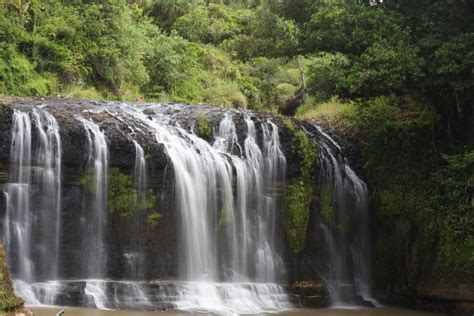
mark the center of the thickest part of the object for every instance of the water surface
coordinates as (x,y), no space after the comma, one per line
(297,312)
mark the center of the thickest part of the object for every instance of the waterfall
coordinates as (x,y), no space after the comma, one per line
(94,224)
(17,230)
(256,244)
(33,209)
(223,238)
(96,214)
(135,257)
(227,196)
(269,261)
(199,173)
(48,173)
(139,171)
(345,225)
(226,141)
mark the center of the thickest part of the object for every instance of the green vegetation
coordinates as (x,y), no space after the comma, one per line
(121,195)
(300,190)
(454,189)
(8,301)
(224,217)
(411,180)
(326,206)
(153,219)
(393,77)
(88,180)
(123,199)
(243,53)
(165,50)
(326,111)
(203,127)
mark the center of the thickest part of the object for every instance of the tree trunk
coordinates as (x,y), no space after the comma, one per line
(303,81)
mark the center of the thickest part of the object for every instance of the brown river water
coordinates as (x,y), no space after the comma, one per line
(297,312)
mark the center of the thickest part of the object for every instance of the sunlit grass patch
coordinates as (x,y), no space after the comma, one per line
(82,92)
(310,109)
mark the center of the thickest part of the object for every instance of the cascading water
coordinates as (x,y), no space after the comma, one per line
(227,195)
(32,234)
(217,227)
(95,214)
(226,139)
(345,226)
(135,257)
(96,210)
(17,230)
(274,169)
(48,174)
(254,193)
(139,171)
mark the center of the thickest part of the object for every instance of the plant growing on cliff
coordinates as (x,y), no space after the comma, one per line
(326,205)
(8,301)
(87,180)
(300,190)
(203,127)
(224,217)
(152,219)
(122,197)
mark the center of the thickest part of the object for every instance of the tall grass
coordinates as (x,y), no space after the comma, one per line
(310,109)
(82,92)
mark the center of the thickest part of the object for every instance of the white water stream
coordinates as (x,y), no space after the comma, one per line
(346,226)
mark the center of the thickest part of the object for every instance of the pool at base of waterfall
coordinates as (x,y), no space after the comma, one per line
(386,311)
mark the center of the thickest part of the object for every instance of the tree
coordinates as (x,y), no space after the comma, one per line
(166,12)
(443,31)
(266,35)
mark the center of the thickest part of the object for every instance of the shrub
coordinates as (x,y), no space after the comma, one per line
(203,127)
(328,111)
(225,93)
(122,197)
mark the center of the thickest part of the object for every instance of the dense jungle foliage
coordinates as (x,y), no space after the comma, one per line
(394,77)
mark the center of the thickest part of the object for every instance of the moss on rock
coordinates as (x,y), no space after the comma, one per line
(123,199)
(300,190)
(224,217)
(326,206)
(122,196)
(203,127)
(152,220)
(8,301)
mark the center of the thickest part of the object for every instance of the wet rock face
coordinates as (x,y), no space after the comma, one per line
(5,137)
(160,244)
